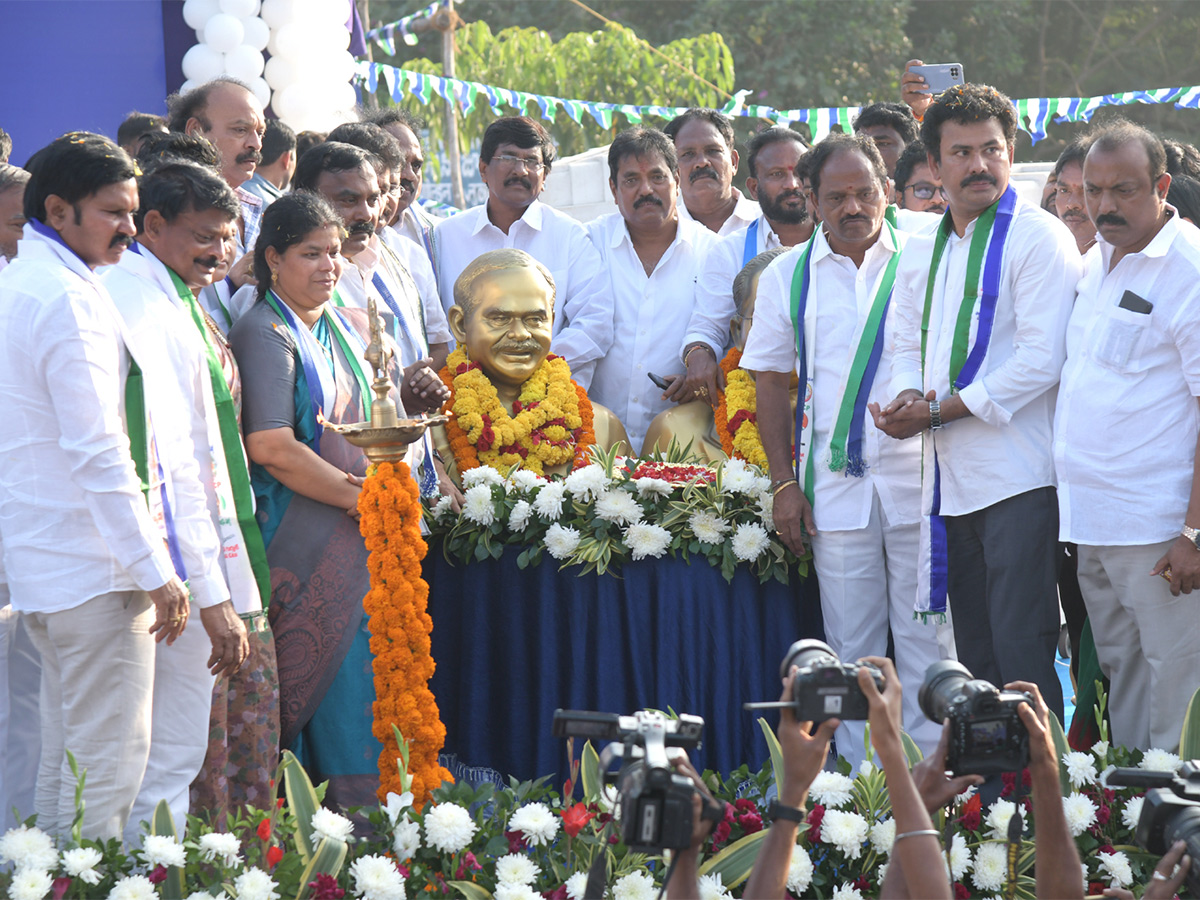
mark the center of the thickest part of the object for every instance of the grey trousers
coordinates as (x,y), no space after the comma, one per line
(1003,591)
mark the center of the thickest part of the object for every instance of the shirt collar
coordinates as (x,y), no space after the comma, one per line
(531,217)
(685,230)
(368,258)
(1159,245)
(43,235)
(822,249)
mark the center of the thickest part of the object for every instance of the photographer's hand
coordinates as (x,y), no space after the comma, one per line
(1167,877)
(937,788)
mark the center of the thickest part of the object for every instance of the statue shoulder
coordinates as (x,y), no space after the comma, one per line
(686,422)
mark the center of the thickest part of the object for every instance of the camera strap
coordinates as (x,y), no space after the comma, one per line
(1016,825)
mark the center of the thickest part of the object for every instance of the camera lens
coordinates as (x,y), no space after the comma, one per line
(943,681)
(1185,826)
(805,653)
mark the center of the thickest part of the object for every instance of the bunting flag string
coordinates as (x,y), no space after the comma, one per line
(821,121)
(385,35)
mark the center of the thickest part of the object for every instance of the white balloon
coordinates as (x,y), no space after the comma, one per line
(291,103)
(240,8)
(347,97)
(197,12)
(244,63)
(187,86)
(280,72)
(223,32)
(277,13)
(261,90)
(257,33)
(202,63)
(342,67)
(299,42)
(339,37)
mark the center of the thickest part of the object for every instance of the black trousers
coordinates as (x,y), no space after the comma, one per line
(1003,592)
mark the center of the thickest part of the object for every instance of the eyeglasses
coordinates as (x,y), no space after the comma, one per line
(532,165)
(923,190)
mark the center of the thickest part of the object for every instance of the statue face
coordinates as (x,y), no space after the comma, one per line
(743,319)
(508,328)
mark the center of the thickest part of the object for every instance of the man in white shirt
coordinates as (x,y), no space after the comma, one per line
(652,257)
(186,214)
(95,565)
(778,181)
(856,493)
(514,161)
(707,163)
(274,170)
(988,469)
(1125,437)
(1069,201)
(411,222)
(12,210)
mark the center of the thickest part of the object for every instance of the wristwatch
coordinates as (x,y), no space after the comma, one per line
(776,810)
(935,415)
(1192,534)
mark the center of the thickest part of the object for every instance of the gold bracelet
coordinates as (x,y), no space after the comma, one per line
(788,483)
(694,348)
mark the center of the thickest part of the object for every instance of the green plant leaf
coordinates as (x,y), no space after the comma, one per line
(327,859)
(589,773)
(911,750)
(1189,737)
(163,824)
(302,800)
(1061,749)
(470,890)
(734,862)
(776,752)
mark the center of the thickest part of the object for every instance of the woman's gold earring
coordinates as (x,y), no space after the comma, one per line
(274,276)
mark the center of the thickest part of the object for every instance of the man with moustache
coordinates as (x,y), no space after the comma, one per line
(1125,436)
(707,163)
(849,490)
(186,214)
(653,257)
(1068,193)
(96,565)
(778,182)
(411,220)
(980,312)
(514,161)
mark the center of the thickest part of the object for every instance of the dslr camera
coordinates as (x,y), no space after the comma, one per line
(655,800)
(824,687)
(987,735)
(1170,812)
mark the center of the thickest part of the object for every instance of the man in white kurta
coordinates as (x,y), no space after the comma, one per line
(1125,437)
(866,514)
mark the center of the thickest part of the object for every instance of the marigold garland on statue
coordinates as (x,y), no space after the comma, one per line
(400,625)
(736,413)
(552,422)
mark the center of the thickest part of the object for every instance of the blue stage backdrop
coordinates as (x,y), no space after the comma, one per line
(83,65)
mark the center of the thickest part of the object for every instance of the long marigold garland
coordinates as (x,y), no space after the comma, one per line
(736,413)
(552,422)
(400,625)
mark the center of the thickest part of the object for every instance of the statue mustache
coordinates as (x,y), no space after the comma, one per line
(519,347)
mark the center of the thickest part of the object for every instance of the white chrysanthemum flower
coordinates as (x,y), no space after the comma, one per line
(620,507)
(524,480)
(484,476)
(965,795)
(712,888)
(81,862)
(1080,768)
(585,484)
(377,878)
(443,508)
(549,501)
(708,527)
(203,895)
(221,847)
(1156,760)
(518,519)
(449,828)
(634,886)
(1117,866)
(576,885)
(960,857)
(505,891)
(1132,812)
(138,887)
(800,872)
(831,789)
(162,850)
(516,868)
(845,830)
(997,818)
(478,506)
(735,465)
(750,540)
(33,884)
(653,487)
(255,884)
(846,891)
(740,481)
(536,822)
(991,867)
(883,835)
(406,840)
(561,540)
(766,510)
(645,540)
(1080,812)
(28,848)
(328,824)
(1100,748)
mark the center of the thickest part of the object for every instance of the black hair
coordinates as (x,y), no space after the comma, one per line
(1074,152)
(332,156)
(306,140)
(395,115)
(641,142)
(277,140)
(192,105)
(373,139)
(1118,132)
(836,143)
(520,131)
(284,224)
(718,120)
(896,116)
(178,186)
(966,104)
(804,165)
(74,167)
(12,176)
(5,146)
(913,155)
(1184,195)
(137,124)
(1182,159)
(174,146)
(766,138)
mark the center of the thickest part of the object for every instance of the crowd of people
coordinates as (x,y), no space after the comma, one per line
(181,317)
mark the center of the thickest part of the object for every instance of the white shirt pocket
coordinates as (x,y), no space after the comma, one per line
(1122,337)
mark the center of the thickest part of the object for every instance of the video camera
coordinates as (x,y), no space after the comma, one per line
(987,735)
(1170,812)
(824,687)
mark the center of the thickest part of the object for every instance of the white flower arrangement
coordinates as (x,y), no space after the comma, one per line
(536,822)
(831,789)
(377,878)
(845,830)
(160,850)
(222,848)
(326,824)
(1081,768)
(800,872)
(449,828)
(1080,811)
